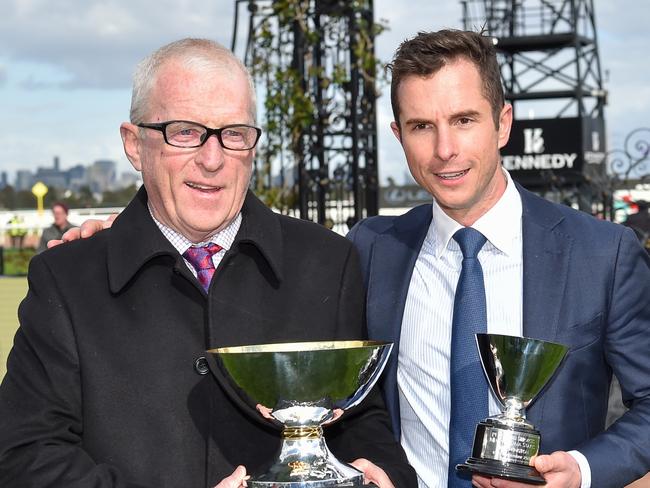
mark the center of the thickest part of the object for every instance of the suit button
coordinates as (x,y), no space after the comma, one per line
(201,366)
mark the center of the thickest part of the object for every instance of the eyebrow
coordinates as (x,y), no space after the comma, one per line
(454,116)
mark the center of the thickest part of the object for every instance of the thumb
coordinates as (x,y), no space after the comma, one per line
(235,480)
(544,463)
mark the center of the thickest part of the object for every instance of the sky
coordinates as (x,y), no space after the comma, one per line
(66,66)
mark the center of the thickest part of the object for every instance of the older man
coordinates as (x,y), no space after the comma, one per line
(106,384)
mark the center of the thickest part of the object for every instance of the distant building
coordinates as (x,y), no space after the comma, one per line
(53,178)
(101,175)
(4,181)
(24,180)
(130,178)
(76,177)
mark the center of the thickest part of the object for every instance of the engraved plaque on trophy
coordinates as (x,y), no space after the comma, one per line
(517,369)
(303,386)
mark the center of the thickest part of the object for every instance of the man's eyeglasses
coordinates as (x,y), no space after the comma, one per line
(183,133)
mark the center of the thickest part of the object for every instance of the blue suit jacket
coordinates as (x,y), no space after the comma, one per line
(586,284)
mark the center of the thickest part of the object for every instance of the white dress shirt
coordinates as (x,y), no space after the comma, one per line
(224,238)
(423,374)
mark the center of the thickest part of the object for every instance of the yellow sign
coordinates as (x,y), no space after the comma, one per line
(39,190)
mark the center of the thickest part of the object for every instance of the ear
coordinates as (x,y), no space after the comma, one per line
(505,124)
(131,143)
(396,132)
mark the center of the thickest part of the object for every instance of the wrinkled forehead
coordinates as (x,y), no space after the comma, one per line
(202,87)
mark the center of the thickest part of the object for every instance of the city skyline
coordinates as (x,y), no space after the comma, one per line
(65,70)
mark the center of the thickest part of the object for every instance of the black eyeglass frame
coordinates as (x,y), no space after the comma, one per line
(162,126)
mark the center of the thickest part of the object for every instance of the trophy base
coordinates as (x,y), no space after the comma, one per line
(306,462)
(305,484)
(511,471)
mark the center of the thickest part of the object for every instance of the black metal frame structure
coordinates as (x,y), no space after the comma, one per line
(550,66)
(548,50)
(333,159)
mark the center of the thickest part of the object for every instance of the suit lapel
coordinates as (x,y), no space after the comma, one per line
(393,257)
(546,253)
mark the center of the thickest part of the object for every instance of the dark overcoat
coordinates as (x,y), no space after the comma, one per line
(105,384)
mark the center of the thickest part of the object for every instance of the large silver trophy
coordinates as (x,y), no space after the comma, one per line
(517,369)
(303,386)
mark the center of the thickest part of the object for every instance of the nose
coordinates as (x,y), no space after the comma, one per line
(445,144)
(211,154)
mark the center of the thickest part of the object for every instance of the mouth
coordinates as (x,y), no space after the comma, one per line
(452,176)
(203,188)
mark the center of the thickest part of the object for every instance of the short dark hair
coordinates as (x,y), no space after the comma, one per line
(62,205)
(428,52)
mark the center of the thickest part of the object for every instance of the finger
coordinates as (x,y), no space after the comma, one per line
(91,227)
(480,481)
(54,243)
(236,480)
(557,461)
(504,483)
(71,235)
(372,473)
(265,411)
(335,416)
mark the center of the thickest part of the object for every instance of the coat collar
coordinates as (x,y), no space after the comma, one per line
(135,239)
(393,257)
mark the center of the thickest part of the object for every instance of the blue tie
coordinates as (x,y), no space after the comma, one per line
(469,401)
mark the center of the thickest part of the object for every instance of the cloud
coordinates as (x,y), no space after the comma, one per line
(3,76)
(99,43)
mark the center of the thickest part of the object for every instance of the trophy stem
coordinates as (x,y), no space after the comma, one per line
(514,409)
(304,460)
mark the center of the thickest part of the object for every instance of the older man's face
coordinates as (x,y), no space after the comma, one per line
(194,191)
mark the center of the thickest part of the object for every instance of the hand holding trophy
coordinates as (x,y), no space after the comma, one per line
(517,369)
(303,386)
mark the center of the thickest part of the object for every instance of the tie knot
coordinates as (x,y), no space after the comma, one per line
(470,241)
(201,257)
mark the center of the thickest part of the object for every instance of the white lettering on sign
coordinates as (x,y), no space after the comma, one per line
(533,141)
(595,141)
(539,161)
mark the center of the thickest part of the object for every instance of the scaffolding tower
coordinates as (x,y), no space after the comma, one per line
(313,64)
(551,71)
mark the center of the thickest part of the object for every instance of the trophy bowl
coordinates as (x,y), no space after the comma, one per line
(302,386)
(517,369)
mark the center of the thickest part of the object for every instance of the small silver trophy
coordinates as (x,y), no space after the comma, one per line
(517,369)
(303,386)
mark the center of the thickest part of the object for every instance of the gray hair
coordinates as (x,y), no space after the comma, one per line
(201,55)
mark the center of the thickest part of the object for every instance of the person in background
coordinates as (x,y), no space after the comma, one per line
(59,227)
(17,231)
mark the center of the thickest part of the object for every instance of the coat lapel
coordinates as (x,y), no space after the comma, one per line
(391,264)
(546,254)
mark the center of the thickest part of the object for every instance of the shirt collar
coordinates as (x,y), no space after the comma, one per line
(223,238)
(134,239)
(501,225)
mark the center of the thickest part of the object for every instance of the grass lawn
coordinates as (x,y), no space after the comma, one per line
(12,291)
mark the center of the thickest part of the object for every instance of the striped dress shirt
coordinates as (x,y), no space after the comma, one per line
(423,375)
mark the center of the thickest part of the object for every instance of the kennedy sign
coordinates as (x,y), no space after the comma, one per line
(552,145)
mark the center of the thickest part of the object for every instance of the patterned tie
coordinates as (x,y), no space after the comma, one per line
(201,260)
(469,400)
